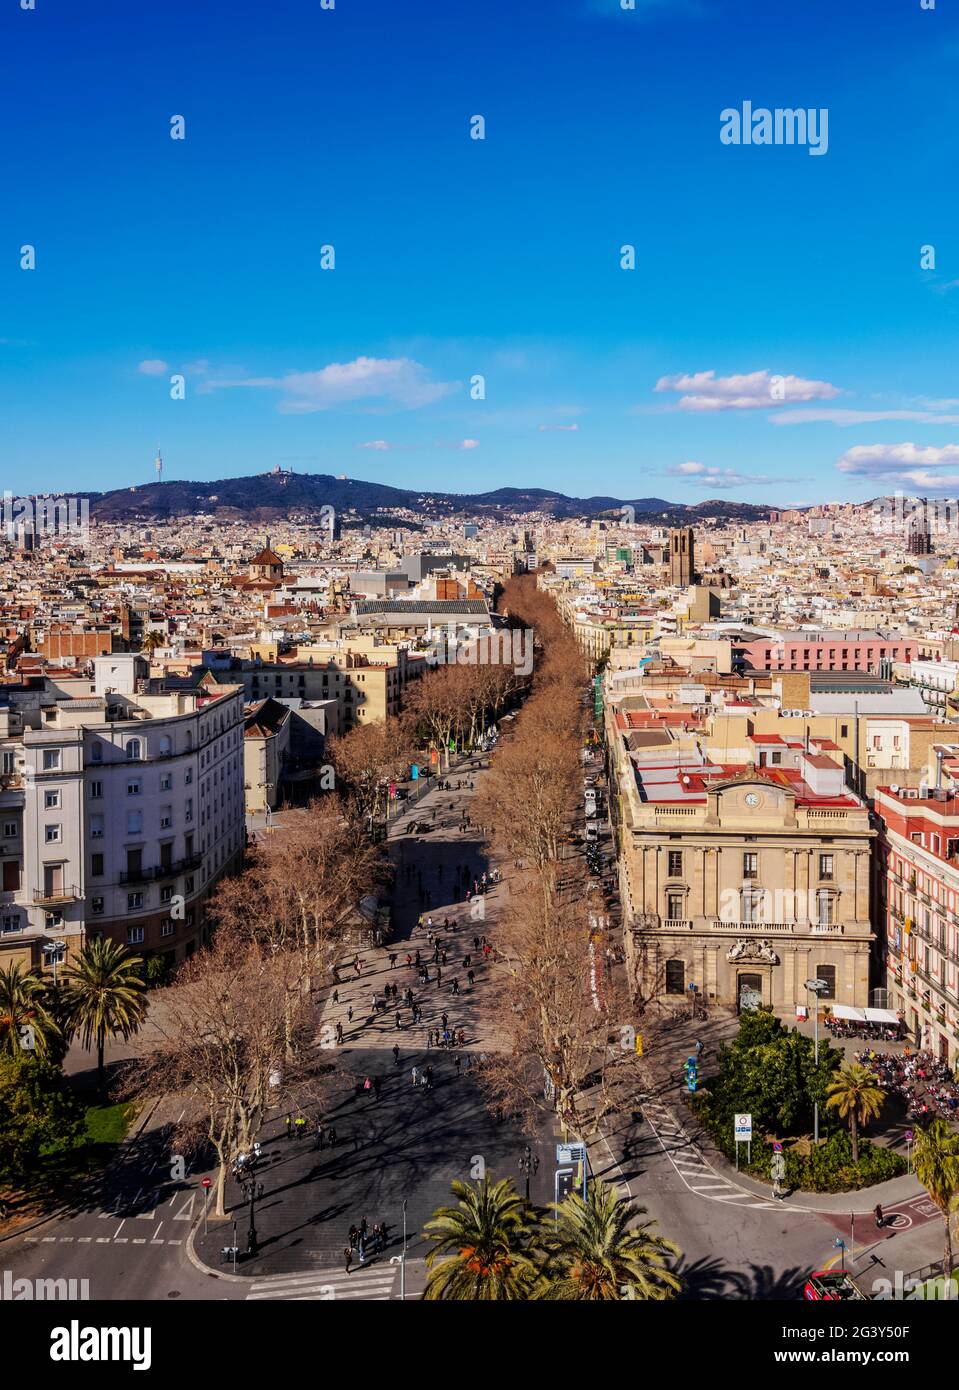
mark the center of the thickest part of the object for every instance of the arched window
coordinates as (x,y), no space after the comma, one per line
(166,745)
(189,740)
(133,748)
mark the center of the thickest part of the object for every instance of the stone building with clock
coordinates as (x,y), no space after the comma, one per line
(740,881)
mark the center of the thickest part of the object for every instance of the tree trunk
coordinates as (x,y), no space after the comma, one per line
(947,1248)
(854,1135)
(101,1042)
(220,1209)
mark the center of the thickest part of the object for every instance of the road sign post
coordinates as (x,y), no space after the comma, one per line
(743,1134)
(206,1209)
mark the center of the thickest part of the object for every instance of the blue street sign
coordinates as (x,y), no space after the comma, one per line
(414,773)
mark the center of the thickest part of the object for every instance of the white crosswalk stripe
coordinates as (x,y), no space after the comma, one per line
(690,1164)
(374,1284)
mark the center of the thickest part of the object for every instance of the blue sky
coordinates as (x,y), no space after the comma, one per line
(454,257)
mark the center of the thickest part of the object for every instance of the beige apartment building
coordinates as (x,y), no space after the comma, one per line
(739,880)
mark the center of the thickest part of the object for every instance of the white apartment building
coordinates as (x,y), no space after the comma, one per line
(121,804)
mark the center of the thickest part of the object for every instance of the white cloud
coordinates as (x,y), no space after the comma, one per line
(859,417)
(153,366)
(399,381)
(704,475)
(705,391)
(906,461)
(375,444)
(560,428)
(468,444)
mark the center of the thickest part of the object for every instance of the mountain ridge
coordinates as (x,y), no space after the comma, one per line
(279,493)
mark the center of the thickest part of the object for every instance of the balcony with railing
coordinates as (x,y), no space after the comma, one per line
(149,874)
(54,896)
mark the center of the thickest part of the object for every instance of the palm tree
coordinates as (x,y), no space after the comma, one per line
(935,1158)
(105,995)
(23,1005)
(856,1093)
(597,1250)
(485,1241)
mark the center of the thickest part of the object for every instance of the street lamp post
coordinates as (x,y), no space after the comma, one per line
(528,1165)
(252,1190)
(55,951)
(816,988)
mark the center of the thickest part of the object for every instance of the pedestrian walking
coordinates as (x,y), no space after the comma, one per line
(339,1032)
(429,1039)
(336,996)
(445,1019)
(462,1038)
(399,1025)
(396,1055)
(439,975)
(392,960)
(457,1061)
(331,1136)
(348,1258)
(429,1078)
(455,988)
(349,1013)
(415,1074)
(470,976)
(880,1219)
(354,1237)
(289,1125)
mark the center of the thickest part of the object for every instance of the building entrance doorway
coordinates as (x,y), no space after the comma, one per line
(749,992)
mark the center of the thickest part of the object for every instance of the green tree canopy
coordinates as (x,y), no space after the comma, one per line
(769,1071)
(37,1110)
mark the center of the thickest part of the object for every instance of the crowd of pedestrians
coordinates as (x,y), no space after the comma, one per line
(925,1085)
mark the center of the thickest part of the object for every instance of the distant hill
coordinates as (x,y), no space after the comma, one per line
(266,496)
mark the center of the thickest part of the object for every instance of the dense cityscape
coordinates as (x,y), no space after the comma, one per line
(479,675)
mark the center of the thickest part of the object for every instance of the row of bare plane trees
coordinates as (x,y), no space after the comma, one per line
(559,1018)
(237,1032)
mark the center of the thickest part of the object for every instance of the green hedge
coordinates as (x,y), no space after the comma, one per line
(828,1167)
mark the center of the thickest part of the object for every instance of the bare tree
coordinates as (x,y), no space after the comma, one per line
(367,759)
(303,884)
(222,1043)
